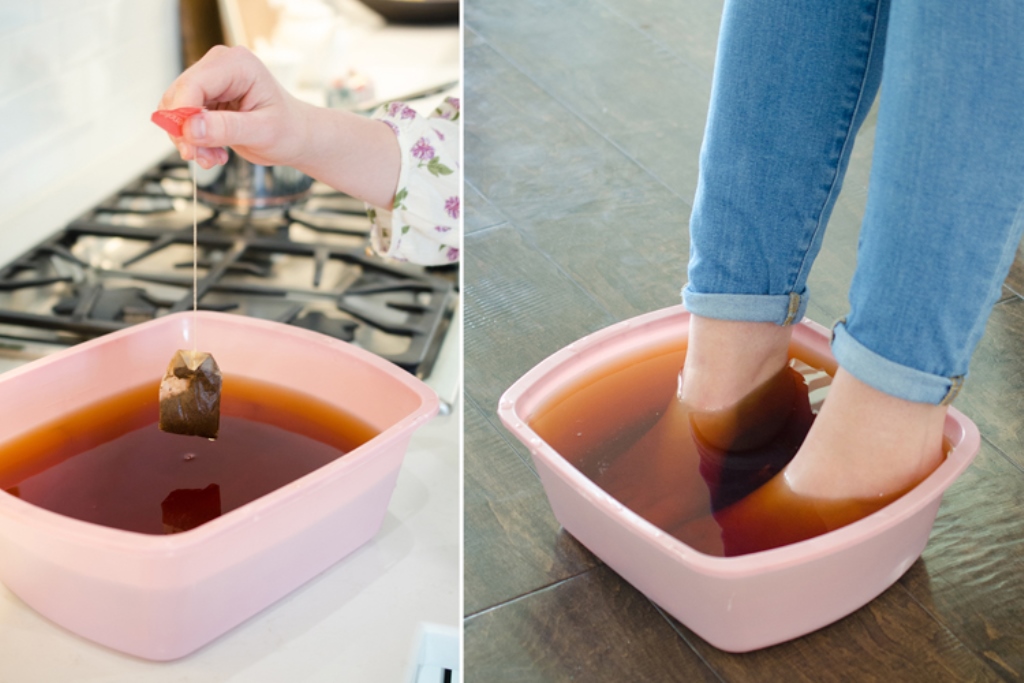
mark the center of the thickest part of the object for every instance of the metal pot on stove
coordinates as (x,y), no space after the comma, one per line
(242,185)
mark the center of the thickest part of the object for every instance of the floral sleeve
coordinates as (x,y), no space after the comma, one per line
(423,225)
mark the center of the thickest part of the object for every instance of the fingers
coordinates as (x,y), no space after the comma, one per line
(224,79)
(205,135)
(208,157)
(224,74)
(244,105)
(226,129)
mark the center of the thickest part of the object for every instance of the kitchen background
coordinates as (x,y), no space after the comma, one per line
(78,82)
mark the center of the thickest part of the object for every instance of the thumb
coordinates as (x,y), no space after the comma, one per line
(224,129)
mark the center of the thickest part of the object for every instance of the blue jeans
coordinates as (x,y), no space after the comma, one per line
(794,80)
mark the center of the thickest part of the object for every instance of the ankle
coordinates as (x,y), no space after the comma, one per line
(757,418)
(866,443)
(727,359)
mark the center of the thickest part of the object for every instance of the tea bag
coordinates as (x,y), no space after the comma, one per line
(190,395)
(190,390)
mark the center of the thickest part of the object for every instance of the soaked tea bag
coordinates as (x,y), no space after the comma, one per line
(190,395)
(190,390)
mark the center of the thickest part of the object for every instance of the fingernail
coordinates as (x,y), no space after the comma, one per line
(197,126)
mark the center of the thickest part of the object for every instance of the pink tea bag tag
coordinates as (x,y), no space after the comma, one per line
(172,120)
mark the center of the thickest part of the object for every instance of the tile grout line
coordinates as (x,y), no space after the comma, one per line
(489,228)
(1004,455)
(523,596)
(501,432)
(682,636)
(946,627)
(502,221)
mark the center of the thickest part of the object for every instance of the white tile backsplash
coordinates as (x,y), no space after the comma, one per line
(80,35)
(14,15)
(78,81)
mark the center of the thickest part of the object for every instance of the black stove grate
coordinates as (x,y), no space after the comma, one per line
(90,293)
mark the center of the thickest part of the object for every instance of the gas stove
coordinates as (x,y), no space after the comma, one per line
(129,259)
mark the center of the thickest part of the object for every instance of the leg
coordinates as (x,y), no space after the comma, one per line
(946,198)
(944,217)
(794,80)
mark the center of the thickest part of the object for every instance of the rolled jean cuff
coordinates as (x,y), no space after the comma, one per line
(781,309)
(889,377)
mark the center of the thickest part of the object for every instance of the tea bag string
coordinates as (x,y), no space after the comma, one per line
(195,262)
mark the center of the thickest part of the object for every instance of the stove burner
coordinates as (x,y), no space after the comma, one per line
(318,322)
(128,304)
(129,260)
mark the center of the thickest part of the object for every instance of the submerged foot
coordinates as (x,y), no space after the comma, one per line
(658,476)
(692,462)
(864,450)
(773,516)
(864,443)
(741,448)
(867,444)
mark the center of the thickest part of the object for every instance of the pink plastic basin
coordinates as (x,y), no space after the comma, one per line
(735,603)
(162,597)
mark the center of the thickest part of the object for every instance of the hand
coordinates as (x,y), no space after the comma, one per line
(248,110)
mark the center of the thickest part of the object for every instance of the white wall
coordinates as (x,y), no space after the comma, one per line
(78,81)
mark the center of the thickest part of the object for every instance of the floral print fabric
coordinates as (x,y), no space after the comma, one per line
(423,225)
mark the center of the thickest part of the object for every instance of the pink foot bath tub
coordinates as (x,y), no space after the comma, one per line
(161,597)
(737,603)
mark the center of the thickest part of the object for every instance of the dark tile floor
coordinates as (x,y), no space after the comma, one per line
(583,124)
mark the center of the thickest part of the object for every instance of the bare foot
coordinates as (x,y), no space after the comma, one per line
(864,450)
(730,380)
(770,517)
(866,444)
(726,359)
(659,476)
(863,444)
